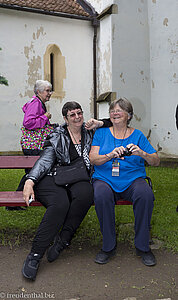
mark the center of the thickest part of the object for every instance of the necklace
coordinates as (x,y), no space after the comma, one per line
(79,140)
(77,145)
(122,138)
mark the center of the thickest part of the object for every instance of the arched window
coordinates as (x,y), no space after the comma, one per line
(55,70)
(52,70)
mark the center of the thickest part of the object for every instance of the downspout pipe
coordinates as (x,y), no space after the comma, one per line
(95,23)
(95,71)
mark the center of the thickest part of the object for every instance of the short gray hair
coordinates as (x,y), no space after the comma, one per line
(40,86)
(125,104)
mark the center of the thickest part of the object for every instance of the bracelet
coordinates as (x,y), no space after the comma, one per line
(107,156)
(99,124)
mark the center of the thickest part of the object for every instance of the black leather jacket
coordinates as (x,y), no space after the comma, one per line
(56,151)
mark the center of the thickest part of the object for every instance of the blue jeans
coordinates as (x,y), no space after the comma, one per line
(142,197)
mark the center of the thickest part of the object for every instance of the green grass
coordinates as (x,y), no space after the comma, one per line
(20,226)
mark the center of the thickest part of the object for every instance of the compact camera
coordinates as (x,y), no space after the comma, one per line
(127,152)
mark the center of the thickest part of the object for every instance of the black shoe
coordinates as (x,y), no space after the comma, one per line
(15,208)
(103,257)
(148,258)
(54,251)
(31,265)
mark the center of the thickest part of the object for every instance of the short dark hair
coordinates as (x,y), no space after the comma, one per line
(70,106)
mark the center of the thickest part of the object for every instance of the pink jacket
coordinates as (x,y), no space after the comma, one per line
(34,114)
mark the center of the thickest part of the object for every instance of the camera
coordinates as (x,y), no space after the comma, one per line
(127,152)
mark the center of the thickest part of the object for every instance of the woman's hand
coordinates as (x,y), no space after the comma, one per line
(151,159)
(97,159)
(117,152)
(135,149)
(28,191)
(93,123)
(48,115)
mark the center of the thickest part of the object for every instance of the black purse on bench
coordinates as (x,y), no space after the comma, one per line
(69,174)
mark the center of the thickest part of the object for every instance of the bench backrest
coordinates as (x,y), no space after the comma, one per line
(17,162)
(20,162)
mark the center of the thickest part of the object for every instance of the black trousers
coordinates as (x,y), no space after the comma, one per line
(66,207)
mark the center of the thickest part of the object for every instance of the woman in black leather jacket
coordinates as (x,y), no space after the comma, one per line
(66,206)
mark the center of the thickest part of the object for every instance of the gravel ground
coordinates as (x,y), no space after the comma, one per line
(75,276)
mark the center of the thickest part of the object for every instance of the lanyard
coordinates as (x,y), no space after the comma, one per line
(122,138)
(115,162)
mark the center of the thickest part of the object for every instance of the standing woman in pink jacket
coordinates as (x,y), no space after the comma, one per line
(36,124)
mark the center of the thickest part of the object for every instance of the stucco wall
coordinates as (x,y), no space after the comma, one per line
(100,5)
(143,64)
(130,59)
(24,38)
(163,24)
(104,56)
(137,58)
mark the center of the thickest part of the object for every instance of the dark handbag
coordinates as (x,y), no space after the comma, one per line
(72,173)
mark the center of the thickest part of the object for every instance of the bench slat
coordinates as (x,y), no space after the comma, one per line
(14,199)
(21,162)
(17,162)
(123,202)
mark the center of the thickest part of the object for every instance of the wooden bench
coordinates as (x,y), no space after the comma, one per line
(14,198)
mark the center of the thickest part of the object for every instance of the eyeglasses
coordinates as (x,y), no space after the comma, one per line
(117,111)
(49,91)
(74,115)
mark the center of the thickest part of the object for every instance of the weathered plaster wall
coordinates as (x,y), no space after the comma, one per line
(24,38)
(130,58)
(163,23)
(100,5)
(104,56)
(143,57)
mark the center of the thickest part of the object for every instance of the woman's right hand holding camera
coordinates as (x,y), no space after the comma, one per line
(117,152)
(28,191)
(97,159)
